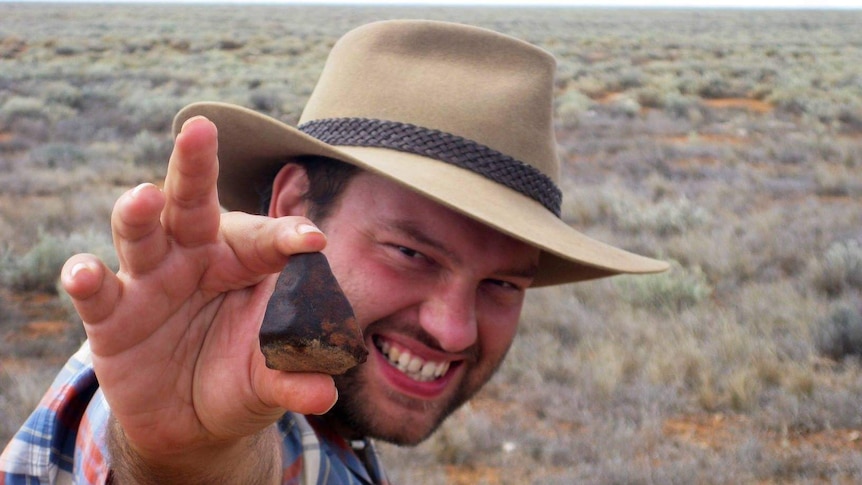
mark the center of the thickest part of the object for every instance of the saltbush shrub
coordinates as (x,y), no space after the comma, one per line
(63,93)
(650,97)
(39,268)
(570,106)
(464,442)
(151,150)
(22,107)
(664,218)
(671,291)
(151,111)
(625,107)
(64,156)
(840,334)
(839,269)
(267,101)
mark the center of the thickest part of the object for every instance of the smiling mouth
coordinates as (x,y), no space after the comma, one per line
(414,367)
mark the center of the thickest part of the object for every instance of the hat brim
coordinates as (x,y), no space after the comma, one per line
(253,146)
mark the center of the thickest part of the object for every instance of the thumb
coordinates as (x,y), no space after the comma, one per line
(303,393)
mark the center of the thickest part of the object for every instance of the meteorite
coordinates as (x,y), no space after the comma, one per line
(309,325)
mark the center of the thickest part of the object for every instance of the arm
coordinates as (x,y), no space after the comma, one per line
(174,332)
(254,460)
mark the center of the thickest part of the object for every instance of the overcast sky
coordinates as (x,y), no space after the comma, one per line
(817,4)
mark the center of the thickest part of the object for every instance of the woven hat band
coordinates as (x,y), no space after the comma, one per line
(446,147)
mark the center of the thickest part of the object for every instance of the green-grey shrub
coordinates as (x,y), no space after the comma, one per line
(794,150)
(625,106)
(631,78)
(22,390)
(267,101)
(23,107)
(682,106)
(149,111)
(792,98)
(63,93)
(151,150)
(840,334)
(716,86)
(39,268)
(673,290)
(651,97)
(839,269)
(837,182)
(664,218)
(465,438)
(570,106)
(851,115)
(64,156)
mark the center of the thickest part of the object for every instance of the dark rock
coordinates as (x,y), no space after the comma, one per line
(309,325)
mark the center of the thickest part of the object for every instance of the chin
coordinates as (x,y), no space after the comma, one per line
(403,422)
(370,411)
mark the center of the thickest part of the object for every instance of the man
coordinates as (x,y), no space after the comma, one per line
(426,156)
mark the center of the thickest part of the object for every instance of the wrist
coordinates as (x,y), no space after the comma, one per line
(254,459)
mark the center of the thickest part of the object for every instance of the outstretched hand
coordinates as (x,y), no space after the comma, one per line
(174,334)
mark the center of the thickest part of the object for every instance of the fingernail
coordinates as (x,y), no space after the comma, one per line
(137,190)
(77,269)
(333,403)
(307,228)
(186,122)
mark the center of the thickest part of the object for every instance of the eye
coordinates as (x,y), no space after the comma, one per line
(412,254)
(505,285)
(503,293)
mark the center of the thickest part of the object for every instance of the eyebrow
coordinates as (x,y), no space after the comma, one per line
(410,230)
(528,272)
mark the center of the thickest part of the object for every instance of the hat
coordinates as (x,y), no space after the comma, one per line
(460,114)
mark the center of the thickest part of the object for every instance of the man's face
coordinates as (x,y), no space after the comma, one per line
(438,297)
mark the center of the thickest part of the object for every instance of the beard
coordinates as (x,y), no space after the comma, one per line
(356,412)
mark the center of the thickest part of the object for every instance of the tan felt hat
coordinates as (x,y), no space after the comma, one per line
(461,114)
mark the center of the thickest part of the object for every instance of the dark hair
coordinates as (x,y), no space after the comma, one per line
(327,179)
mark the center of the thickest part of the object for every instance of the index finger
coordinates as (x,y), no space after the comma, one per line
(191,214)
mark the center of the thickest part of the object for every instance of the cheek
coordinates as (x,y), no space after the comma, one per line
(496,333)
(372,292)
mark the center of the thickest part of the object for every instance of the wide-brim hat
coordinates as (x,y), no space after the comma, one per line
(460,114)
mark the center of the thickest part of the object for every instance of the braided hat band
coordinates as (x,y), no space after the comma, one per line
(442,146)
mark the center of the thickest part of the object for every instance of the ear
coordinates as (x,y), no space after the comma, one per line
(288,189)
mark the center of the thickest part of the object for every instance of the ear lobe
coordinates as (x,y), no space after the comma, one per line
(288,189)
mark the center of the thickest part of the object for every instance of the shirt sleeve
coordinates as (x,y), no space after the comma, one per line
(61,440)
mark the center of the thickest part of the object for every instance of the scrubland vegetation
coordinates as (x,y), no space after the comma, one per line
(727,142)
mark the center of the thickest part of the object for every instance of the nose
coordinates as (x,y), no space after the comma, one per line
(449,315)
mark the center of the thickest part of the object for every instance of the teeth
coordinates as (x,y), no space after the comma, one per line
(414,367)
(403,361)
(428,370)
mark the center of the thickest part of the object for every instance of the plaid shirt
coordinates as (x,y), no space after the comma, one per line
(63,440)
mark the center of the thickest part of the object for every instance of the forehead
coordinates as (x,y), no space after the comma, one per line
(376,199)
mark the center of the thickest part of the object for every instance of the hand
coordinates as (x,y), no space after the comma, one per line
(174,332)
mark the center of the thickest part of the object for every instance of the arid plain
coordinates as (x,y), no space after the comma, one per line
(728,142)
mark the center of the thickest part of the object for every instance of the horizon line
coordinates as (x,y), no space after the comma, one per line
(480,3)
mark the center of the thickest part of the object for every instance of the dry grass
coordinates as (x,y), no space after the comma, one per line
(727,142)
